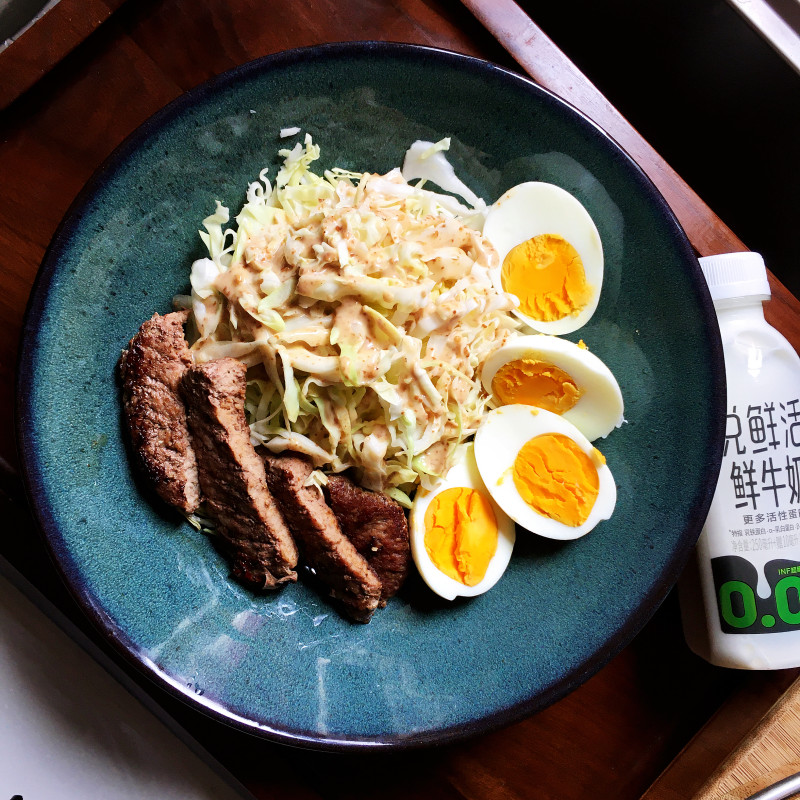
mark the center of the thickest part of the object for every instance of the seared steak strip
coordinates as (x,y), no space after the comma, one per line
(377,527)
(151,369)
(232,477)
(325,549)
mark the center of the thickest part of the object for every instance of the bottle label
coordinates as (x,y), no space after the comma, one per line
(762,458)
(756,576)
(742,610)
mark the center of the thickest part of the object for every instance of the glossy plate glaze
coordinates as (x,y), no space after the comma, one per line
(287,666)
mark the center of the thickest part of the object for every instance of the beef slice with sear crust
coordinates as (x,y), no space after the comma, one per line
(377,527)
(152,368)
(232,476)
(325,549)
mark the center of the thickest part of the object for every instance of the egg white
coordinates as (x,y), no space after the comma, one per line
(532,209)
(499,439)
(599,409)
(463,473)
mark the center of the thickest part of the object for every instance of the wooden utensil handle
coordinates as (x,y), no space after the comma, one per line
(769,753)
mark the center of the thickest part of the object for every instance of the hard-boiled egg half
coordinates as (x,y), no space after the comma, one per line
(551,257)
(461,541)
(543,472)
(558,376)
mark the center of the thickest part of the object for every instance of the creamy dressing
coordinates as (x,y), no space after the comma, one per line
(372,308)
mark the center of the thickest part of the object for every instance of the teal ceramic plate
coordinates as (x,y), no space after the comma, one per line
(287,666)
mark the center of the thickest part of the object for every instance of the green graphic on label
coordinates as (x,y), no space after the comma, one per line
(741,610)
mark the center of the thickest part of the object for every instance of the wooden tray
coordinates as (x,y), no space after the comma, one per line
(610,738)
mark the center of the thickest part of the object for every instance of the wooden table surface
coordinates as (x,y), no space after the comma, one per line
(609,739)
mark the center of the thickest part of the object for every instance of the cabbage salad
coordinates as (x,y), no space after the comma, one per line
(363,307)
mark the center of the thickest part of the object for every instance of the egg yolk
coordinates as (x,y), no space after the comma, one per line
(556,478)
(535,383)
(547,275)
(461,534)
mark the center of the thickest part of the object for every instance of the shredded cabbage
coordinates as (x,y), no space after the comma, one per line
(363,307)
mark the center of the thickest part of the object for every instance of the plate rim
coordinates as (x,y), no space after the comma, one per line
(115,638)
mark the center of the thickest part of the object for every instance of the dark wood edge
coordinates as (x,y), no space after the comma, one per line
(549,66)
(52,37)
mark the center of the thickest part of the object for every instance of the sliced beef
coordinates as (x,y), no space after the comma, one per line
(151,369)
(325,549)
(377,527)
(232,477)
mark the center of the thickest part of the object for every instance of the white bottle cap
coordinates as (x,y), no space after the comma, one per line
(735,275)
